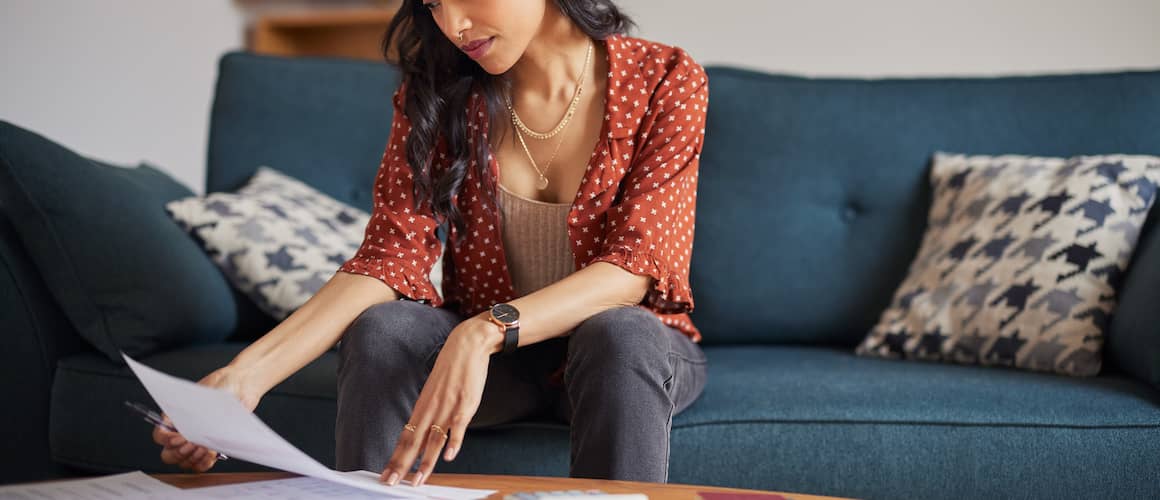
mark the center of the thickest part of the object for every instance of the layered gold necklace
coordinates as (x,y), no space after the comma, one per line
(521,127)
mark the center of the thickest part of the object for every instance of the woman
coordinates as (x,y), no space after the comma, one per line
(563,155)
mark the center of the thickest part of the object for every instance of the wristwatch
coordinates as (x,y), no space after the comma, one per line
(507,317)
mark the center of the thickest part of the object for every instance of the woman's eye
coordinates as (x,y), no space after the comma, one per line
(431,5)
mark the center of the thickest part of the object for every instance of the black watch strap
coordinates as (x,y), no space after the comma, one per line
(511,339)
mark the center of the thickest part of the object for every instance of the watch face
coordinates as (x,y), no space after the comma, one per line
(505,313)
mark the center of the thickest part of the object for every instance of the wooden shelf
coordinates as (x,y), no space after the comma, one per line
(349,32)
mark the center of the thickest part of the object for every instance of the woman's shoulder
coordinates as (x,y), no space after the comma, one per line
(651,60)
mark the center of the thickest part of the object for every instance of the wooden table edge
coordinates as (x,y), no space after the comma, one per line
(503,484)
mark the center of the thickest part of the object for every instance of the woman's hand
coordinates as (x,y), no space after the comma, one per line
(176,450)
(449,400)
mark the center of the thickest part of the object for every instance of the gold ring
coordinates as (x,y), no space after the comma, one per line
(410,427)
(440,430)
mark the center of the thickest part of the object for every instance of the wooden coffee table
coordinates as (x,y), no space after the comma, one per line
(503,484)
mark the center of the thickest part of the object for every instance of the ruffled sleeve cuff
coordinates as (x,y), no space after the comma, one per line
(403,277)
(670,292)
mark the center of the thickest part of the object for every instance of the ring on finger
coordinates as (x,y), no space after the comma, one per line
(440,430)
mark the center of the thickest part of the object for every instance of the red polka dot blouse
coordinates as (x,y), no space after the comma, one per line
(634,208)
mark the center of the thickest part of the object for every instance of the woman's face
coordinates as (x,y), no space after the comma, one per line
(495,32)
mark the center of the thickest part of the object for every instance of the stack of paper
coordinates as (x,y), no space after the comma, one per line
(216,419)
(131,485)
(302,488)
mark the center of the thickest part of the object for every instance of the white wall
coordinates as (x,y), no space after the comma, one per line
(908,37)
(118,80)
(126,80)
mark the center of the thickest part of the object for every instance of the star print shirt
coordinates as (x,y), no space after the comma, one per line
(634,208)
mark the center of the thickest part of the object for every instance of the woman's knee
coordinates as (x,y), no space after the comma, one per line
(620,337)
(385,331)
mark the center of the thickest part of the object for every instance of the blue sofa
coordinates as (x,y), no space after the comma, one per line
(812,202)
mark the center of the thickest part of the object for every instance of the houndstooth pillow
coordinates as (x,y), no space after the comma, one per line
(276,239)
(1020,263)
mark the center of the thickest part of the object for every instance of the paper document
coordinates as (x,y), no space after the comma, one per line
(131,485)
(303,488)
(214,418)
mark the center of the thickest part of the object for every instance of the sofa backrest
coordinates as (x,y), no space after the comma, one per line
(813,193)
(324,121)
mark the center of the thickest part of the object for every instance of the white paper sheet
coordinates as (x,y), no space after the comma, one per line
(303,488)
(214,418)
(130,485)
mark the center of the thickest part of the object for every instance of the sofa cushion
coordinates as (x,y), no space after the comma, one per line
(812,384)
(1134,342)
(1021,261)
(824,421)
(814,192)
(800,419)
(108,252)
(276,239)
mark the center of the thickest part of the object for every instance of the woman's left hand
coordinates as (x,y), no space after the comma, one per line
(449,400)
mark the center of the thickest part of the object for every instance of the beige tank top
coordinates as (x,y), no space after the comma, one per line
(535,240)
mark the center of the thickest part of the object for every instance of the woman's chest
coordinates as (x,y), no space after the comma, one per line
(550,169)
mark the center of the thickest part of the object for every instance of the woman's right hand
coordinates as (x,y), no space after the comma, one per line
(176,450)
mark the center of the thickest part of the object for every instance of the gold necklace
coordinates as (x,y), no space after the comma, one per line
(567,115)
(542,184)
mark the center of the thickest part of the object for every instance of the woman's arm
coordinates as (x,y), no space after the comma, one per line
(297,340)
(558,308)
(399,247)
(308,332)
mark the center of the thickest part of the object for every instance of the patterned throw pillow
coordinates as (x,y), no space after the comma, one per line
(1020,263)
(342,218)
(276,239)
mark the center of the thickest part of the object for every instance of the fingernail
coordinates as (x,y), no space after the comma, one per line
(393,479)
(449,455)
(418,479)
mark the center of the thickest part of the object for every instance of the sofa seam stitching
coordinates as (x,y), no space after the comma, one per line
(920,423)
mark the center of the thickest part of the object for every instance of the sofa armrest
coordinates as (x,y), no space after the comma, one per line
(35,333)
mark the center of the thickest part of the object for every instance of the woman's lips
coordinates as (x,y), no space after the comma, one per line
(477,48)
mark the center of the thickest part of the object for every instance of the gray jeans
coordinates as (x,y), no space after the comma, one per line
(627,374)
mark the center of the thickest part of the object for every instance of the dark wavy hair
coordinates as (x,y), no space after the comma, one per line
(438,79)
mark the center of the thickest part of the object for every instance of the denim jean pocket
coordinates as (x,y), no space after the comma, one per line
(687,381)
